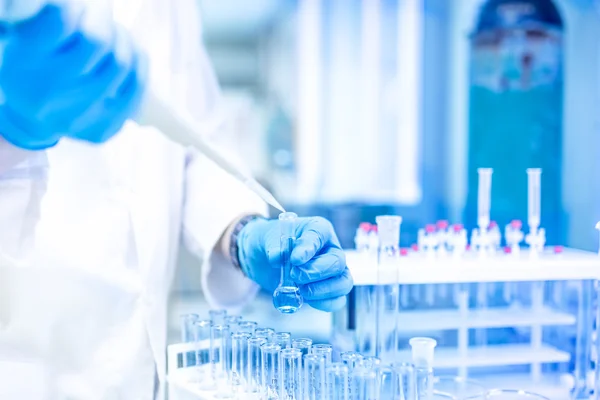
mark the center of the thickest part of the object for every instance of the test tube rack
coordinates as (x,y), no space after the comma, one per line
(572,267)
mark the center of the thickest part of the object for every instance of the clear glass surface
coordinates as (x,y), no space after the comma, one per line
(406,380)
(388,381)
(302,344)
(220,353)
(266,333)
(233,322)
(187,336)
(323,350)
(202,338)
(457,387)
(217,316)
(247,326)
(287,298)
(284,339)
(291,367)
(337,381)
(254,369)
(364,384)
(239,360)
(271,379)
(314,387)
(501,394)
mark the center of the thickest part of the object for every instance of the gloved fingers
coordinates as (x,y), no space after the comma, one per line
(314,234)
(17,131)
(329,305)
(336,286)
(326,265)
(45,31)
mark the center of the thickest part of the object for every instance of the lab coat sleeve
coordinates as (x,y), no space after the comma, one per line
(23,176)
(213,201)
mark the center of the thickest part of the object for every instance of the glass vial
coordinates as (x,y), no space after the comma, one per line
(287,298)
(270,371)
(239,360)
(314,387)
(323,350)
(284,339)
(254,368)
(337,381)
(220,349)
(291,376)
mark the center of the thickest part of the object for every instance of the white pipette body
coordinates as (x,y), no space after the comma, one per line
(181,129)
(484,192)
(534,197)
(154,112)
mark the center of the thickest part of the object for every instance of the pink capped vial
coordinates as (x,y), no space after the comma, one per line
(457,227)
(429,228)
(403,252)
(364,226)
(507,250)
(493,224)
(374,228)
(442,224)
(414,247)
(516,224)
(558,249)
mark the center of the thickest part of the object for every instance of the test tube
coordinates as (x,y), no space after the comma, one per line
(337,381)
(239,360)
(422,357)
(219,345)
(284,339)
(254,369)
(302,344)
(388,382)
(323,350)
(350,359)
(387,291)
(533,197)
(217,316)
(484,192)
(314,387)
(270,369)
(202,338)
(266,333)
(364,384)
(247,326)
(233,321)
(287,298)
(187,336)
(291,374)
(370,362)
(406,380)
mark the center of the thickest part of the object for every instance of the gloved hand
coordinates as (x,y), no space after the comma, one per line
(318,261)
(64,74)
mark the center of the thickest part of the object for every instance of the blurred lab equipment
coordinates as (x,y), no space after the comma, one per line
(286,297)
(525,310)
(515,108)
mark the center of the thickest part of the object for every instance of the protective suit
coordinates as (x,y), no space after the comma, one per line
(90,311)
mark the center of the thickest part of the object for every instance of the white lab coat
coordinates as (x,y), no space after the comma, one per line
(91,311)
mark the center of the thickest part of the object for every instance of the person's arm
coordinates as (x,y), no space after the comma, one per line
(214,203)
(22,184)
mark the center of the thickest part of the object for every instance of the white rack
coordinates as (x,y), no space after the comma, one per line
(417,268)
(421,269)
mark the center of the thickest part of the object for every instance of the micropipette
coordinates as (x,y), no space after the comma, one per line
(176,125)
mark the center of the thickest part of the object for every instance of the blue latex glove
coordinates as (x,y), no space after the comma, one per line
(318,261)
(62,77)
